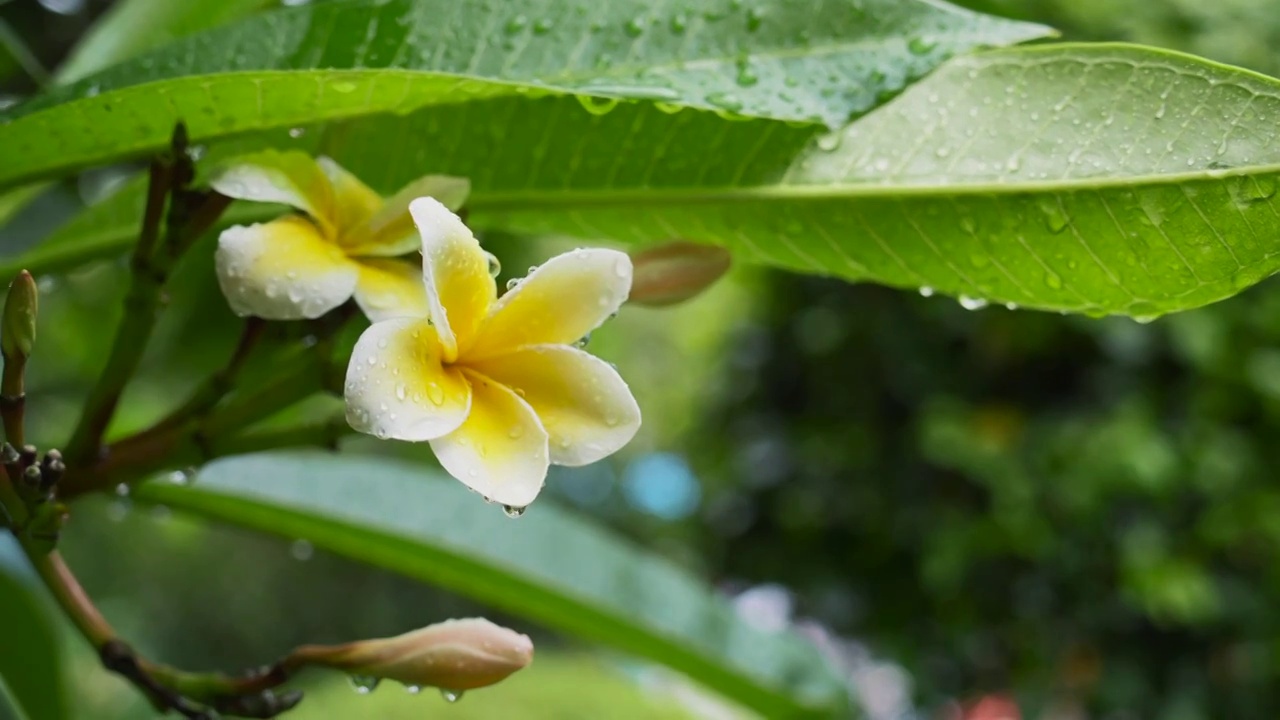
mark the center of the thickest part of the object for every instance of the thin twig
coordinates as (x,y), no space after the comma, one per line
(221,382)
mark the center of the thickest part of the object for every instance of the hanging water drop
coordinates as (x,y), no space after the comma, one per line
(513,511)
(829,142)
(413,689)
(495,266)
(582,341)
(365,684)
(512,283)
(971,303)
(451,696)
(597,105)
(926,291)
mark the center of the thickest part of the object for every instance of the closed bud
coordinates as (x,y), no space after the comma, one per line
(675,272)
(18,329)
(452,655)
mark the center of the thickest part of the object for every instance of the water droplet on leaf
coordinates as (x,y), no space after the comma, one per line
(365,684)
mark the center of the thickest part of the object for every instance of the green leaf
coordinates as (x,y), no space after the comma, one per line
(130,27)
(1079,178)
(10,708)
(802,60)
(548,566)
(31,663)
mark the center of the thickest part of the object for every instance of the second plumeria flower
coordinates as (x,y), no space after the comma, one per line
(348,244)
(496,385)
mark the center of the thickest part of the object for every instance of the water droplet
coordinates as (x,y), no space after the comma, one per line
(1055,219)
(668,108)
(495,266)
(515,431)
(971,303)
(512,283)
(921,45)
(1053,280)
(402,392)
(725,101)
(365,684)
(926,291)
(829,142)
(301,550)
(597,105)
(122,490)
(435,393)
(413,689)
(516,24)
(297,132)
(343,86)
(513,511)
(451,696)
(582,341)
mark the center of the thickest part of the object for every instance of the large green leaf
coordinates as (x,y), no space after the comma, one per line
(548,566)
(1082,178)
(804,60)
(130,27)
(31,652)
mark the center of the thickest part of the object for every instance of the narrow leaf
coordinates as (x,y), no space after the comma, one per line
(548,566)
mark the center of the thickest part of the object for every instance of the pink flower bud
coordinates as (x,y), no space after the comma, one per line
(675,272)
(452,655)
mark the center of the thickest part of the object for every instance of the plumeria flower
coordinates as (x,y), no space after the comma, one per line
(347,245)
(496,384)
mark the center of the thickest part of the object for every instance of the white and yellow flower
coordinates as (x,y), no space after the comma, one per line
(495,384)
(347,245)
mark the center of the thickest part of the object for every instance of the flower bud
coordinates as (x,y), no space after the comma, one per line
(18,329)
(675,272)
(452,655)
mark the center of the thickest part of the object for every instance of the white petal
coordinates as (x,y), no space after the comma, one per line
(390,289)
(389,232)
(288,177)
(459,286)
(586,407)
(283,270)
(563,300)
(397,388)
(501,449)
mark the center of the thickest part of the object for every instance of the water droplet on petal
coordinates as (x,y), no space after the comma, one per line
(495,267)
(435,393)
(971,303)
(513,511)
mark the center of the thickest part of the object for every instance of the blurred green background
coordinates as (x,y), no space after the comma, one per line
(1080,512)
